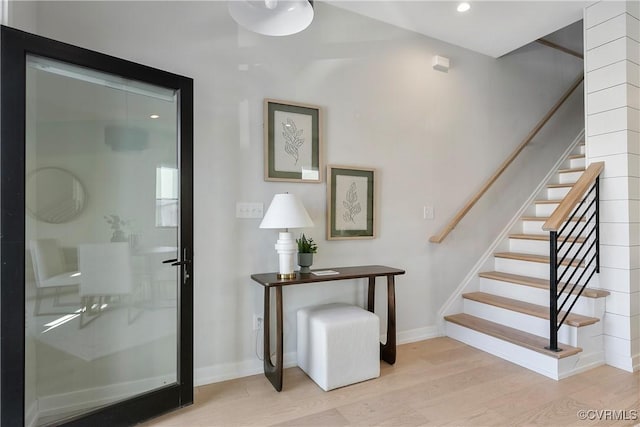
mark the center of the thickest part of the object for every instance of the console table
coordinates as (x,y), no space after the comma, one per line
(270,280)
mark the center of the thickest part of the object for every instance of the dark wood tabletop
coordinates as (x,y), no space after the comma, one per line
(344,273)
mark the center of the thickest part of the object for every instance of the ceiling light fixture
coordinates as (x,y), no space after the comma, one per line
(154,116)
(463,7)
(272,17)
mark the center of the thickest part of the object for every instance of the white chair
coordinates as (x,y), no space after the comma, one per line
(338,344)
(106,273)
(50,270)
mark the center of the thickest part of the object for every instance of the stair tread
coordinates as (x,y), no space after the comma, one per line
(571,170)
(534,258)
(577,156)
(546,218)
(543,237)
(559,185)
(536,283)
(548,202)
(514,336)
(535,310)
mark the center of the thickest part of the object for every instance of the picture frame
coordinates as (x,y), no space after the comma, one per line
(351,204)
(292,142)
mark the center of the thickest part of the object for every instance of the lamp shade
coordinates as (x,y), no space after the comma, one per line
(272,17)
(286,211)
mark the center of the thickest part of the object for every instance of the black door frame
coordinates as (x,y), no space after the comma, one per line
(15,45)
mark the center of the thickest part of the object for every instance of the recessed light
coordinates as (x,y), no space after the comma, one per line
(464,6)
(154,116)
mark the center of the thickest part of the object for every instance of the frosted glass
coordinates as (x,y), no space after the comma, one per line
(101,307)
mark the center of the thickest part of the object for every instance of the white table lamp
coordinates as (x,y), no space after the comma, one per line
(286,212)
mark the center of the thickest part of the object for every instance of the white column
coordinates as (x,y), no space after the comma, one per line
(612,98)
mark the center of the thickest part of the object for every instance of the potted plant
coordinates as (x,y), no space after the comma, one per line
(306,248)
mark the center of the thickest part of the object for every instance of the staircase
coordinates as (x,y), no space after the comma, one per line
(506,311)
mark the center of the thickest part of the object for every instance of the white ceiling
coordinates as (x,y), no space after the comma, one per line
(493,28)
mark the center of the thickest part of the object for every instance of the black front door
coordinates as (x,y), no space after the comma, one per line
(96,236)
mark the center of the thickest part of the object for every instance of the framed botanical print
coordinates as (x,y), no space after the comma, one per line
(350,203)
(292,141)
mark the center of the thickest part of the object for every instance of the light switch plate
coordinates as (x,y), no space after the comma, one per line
(249,209)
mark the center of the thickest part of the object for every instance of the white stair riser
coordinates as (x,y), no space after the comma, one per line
(581,149)
(569,177)
(528,268)
(577,163)
(567,334)
(537,362)
(557,193)
(545,209)
(593,307)
(539,247)
(541,363)
(535,227)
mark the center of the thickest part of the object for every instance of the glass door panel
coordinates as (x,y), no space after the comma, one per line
(102,214)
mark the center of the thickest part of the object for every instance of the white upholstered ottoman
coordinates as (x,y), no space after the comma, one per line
(338,344)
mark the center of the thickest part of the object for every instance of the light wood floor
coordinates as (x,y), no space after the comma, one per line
(433,383)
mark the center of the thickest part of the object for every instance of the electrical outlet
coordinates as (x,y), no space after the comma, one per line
(428,212)
(257,322)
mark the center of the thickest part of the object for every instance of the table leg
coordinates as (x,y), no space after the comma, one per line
(271,371)
(371,299)
(387,350)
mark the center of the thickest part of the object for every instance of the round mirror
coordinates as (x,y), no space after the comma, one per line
(54,195)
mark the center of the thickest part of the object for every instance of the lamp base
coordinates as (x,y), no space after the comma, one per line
(286,247)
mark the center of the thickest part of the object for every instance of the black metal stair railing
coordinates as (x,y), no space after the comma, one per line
(574,259)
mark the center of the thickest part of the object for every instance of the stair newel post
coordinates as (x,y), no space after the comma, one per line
(597,224)
(553,291)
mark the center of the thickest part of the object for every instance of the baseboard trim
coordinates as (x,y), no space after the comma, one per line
(230,371)
(418,334)
(626,363)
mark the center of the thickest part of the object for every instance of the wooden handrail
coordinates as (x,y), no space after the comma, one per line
(438,238)
(573,197)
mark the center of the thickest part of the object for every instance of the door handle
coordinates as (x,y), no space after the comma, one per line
(184,263)
(175,262)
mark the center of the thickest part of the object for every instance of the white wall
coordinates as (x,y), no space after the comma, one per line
(432,136)
(21,14)
(612,68)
